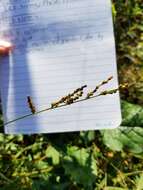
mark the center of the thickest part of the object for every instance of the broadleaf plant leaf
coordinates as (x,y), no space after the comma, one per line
(132,114)
(80,165)
(129,136)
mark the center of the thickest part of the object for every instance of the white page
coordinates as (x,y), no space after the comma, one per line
(60,45)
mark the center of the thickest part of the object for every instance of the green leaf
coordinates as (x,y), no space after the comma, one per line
(139,182)
(129,138)
(94,166)
(132,114)
(80,166)
(1,137)
(87,136)
(41,164)
(52,153)
(80,155)
(111,138)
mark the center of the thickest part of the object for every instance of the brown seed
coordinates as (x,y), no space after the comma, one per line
(31,105)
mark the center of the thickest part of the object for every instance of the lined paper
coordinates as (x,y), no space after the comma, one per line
(60,45)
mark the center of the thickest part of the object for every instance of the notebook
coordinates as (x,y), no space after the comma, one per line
(59,46)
